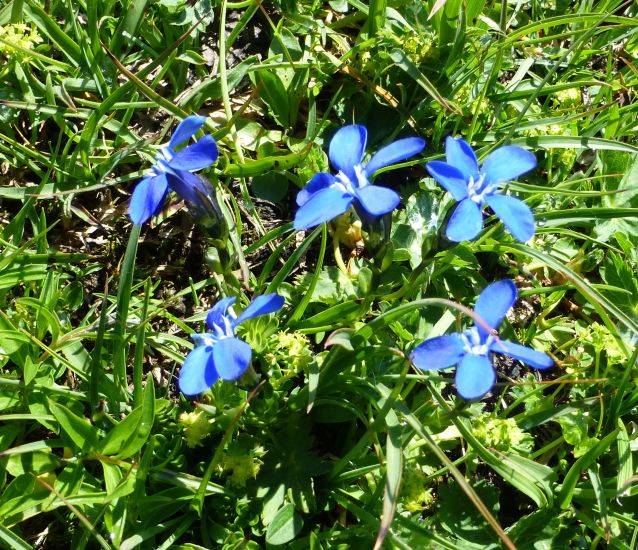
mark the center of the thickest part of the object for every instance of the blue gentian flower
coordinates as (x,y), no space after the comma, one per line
(219,353)
(470,350)
(475,187)
(172,170)
(327,196)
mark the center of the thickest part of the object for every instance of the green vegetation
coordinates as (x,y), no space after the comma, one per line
(332,438)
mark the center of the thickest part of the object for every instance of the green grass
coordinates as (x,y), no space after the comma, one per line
(337,441)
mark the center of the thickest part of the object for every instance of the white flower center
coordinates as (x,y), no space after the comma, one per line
(477,191)
(162,161)
(218,331)
(472,342)
(346,184)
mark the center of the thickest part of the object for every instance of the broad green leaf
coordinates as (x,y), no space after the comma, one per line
(36,463)
(275,95)
(130,434)
(271,186)
(118,437)
(285,526)
(76,428)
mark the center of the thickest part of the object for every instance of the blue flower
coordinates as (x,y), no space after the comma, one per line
(172,170)
(470,350)
(474,188)
(219,353)
(327,196)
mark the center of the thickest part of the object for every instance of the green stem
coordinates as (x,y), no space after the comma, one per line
(338,257)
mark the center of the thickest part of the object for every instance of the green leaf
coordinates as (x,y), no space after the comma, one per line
(274,94)
(271,186)
(130,434)
(36,463)
(285,526)
(540,529)
(533,479)
(76,428)
(625,469)
(118,437)
(210,89)
(51,30)
(12,540)
(342,313)
(394,470)
(189,56)
(402,61)
(574,473)
(284,39)
(465,522)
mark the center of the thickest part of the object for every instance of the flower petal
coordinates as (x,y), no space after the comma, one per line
(438,353)
(507,163)
(514,214)
(147,198)
(262,305)
(395,152)
(475,376)
(232,357)
(186,129)
(198,371)
(465,223)
(317,183)
(188,186)
(459,153)
(529,356)
(200,154)
(347,147)
(377,200)
(493,304)
(449,177)
(216,315)
(321,207)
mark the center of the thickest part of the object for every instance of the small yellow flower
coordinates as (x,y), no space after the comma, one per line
(500,433)
(196,427)
(15,39)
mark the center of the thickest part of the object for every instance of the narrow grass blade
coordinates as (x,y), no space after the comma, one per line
(305,300)
(394,469)
(96,355)
(123,300)
(138,358)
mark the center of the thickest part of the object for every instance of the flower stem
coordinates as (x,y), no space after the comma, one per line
(338,257)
